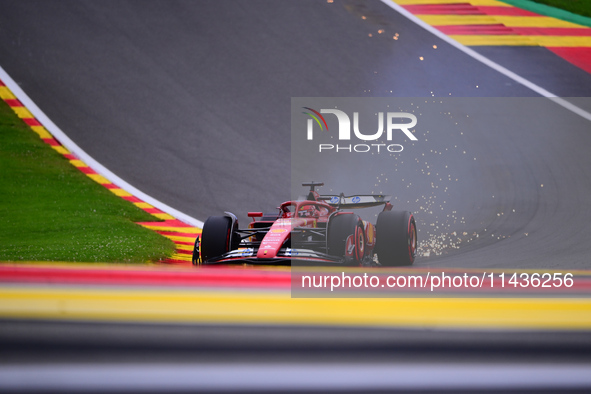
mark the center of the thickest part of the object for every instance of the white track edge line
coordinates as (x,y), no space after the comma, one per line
(495,66)
(82,155)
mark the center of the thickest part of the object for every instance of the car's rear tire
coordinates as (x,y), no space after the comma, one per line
(216,237)
(340,227)
(396,238)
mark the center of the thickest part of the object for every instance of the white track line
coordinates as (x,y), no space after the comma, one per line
(495,66)
(257,377)
(82,155)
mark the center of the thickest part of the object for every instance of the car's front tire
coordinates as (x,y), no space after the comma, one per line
(340,228)
(216,237)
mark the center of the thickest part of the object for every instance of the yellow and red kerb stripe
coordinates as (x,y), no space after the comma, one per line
(494,23)
(180,233)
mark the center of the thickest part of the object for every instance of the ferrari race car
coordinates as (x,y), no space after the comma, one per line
(320,229)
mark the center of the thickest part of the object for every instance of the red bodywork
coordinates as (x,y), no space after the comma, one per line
(294,214)
(301,214)
(300,230)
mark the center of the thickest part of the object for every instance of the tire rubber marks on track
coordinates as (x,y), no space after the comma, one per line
(170,226)
(493,23)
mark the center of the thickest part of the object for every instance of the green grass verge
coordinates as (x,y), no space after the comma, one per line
(575,11)
(50,211)
(580,7)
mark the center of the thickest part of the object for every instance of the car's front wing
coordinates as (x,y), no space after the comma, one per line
(285,256)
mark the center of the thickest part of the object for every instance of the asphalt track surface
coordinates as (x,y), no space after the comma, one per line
(190,103)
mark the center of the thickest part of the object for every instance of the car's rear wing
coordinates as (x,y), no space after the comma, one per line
(357,201)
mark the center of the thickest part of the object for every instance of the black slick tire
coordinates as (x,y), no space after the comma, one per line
(216,237)
(396,241)
(340,227)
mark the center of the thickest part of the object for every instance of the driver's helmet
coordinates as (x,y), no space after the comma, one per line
(307,211)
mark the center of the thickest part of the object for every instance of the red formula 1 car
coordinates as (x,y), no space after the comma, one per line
(317,230)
